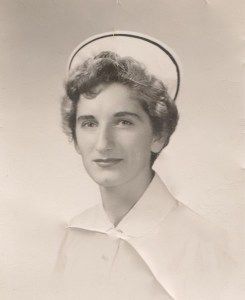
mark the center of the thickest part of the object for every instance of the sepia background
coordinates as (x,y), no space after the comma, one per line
(42,180)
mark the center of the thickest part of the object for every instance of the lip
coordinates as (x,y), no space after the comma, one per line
(107,162)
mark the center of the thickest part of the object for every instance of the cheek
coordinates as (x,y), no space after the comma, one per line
(139,147)
(84,143)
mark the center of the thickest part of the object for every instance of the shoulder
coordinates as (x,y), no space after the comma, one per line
(183,219)
(197,249)
(199,242)
(191,239)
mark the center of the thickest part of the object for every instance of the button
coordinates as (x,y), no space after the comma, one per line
(117,233)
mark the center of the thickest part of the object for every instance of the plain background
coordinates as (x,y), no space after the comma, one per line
(42,181)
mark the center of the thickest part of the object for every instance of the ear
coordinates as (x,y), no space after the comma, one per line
(158,143)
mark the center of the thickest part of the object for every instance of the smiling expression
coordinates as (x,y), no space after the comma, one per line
(114,136)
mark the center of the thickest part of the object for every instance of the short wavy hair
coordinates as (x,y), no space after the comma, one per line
(108,67)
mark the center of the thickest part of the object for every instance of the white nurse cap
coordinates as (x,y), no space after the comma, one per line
(158,58)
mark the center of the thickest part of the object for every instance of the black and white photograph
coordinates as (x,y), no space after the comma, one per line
(122,150)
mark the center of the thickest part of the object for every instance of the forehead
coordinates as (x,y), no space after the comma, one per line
(109,100)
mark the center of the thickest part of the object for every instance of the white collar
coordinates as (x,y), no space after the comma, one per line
(146,214)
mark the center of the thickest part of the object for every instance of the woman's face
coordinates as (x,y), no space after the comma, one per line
(114,136)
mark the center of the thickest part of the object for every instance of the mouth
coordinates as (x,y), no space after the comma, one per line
(107,162)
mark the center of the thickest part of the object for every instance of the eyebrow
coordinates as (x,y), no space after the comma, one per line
(127,113)
(117,115)
(85,117)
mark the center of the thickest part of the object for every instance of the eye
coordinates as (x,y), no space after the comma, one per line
(125,123)
(88,124)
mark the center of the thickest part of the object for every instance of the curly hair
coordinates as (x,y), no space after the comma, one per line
(108,67)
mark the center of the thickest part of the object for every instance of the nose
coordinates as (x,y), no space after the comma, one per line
(104,140)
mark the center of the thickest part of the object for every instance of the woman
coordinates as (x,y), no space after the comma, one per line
(139,242)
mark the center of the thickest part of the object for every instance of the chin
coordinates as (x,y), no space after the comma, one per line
(108,178)
(107,181)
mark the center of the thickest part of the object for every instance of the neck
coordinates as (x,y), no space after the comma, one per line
(118,200)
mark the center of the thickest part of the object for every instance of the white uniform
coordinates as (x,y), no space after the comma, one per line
(160,250)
